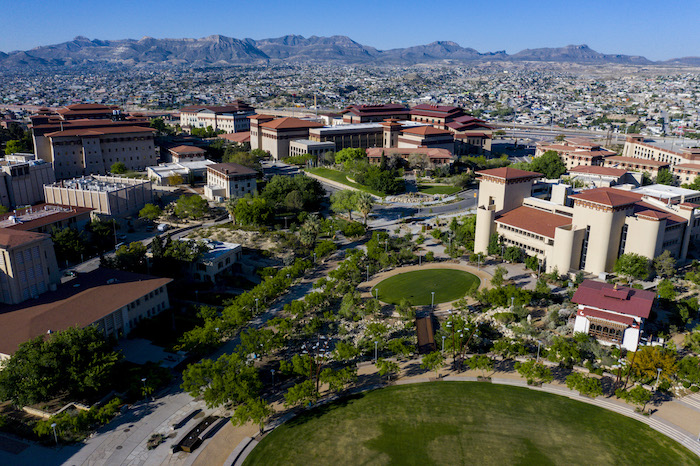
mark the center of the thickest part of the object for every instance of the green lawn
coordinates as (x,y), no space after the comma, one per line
(438,189)
(340,177)
(448,285)
(450,423)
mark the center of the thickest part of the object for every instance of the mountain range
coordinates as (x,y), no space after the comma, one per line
(217,50)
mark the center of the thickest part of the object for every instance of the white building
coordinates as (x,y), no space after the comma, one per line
(174,173)
(227,180)
(218,261)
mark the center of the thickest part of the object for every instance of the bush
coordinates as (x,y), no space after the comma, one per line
(353,229)
(324,248)
(504,317)
(430,256)
(694,389)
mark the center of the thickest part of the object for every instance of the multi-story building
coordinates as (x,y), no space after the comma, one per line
(612,314)
(112,300)
(176,173)
(22,180)
(436,115)
(307,146)
(435,156)
(651,167)
(355,135)
(44,218)
(374,113)
(274,136)
(585,231)
(639,147)
(230,118)
(108,195)
(227,180)
(426,136)
(472,135)
(219,260)
(185,153)
(28,265)
(576,152)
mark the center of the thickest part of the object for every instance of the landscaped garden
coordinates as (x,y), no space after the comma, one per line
(416,286)
(432,189)
(464,423)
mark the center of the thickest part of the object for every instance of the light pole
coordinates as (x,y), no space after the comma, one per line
(376,294)
(658,375)
(443,343)
(256,306)
(367,272)
(55,436)
(314,258)
(376,347)
(420,259)
(386,245)
(539,343)
(512,302)
(272,371)
(145,396)
(432,299)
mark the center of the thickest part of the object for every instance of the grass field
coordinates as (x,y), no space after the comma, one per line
(451,423)
(340,177)
(448,285)
(438,189)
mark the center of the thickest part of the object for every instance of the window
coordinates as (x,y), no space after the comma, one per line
(584,248)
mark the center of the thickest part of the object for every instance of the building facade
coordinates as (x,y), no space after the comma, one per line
(230,118)
(230,180)
(28,265)
(22,182)
(107,195)
(374,113)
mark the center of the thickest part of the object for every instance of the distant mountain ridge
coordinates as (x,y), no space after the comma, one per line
(217,50)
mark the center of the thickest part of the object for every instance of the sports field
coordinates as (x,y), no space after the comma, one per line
(451,423)
(416,286)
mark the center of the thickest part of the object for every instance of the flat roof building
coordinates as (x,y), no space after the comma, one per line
(307,146)
(43,218)
(230,118)
(22,180)
(107,195)
(175,173)
(230,180)
(374,113)
(186,153)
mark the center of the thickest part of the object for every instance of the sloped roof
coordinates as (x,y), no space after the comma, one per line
(534,220)
(611,316)
(597,170)
(185,149)
(241,137)
(635,160)
(425,131)
(622,299)
(291,123)
(231,169)
(508,173)
(11,238)
(610,197)
(100,131)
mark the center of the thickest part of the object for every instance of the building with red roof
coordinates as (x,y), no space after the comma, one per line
(576,152)
(612,314)
(374,113)
(230,118)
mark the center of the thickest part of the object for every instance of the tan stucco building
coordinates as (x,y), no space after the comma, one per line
(28,265)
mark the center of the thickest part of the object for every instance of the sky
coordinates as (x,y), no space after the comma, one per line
(658,30)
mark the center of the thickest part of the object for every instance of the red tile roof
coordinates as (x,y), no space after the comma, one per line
(11,238)
(100,131)
(587,311)
(636,161)
(72,305)
(508,173)
(596,170)
(371,110)
(425,131)
(231,169)
(534,220)
(688,166)
(610,197)
(642,206)
(56,216)
(623,300)
(243,136)
(291,123)
(185,149)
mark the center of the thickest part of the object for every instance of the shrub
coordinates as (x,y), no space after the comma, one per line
(353,229)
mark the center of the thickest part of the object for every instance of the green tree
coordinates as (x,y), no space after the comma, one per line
(665,264)
(194,206)
(363,204)
(666,290)
(633,266)
(480,362)
(494,247)
(301,393)
(498,277)
(76,362)
(131,257)
(665,177)
(14,146)
(564,351)
(253,211)
(256,410)
(310,230)
(118,168)
(345,351)
(533,372)
(387,368)
(247,159)
(549,164)
(638,395)
(344,201)
(150,212)
(279,187)
(338,379)
(68,243)
(349,154)
(692,340)
(433,362)
(228,379)
(585,385)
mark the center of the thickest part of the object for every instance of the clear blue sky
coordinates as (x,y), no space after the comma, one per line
(656,29)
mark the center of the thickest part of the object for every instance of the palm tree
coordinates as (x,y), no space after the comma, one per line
(365,202)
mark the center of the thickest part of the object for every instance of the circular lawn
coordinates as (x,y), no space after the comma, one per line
(464,423)
(448,285)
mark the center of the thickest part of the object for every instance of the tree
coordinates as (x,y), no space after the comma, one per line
(253,211)
(345,351)
(633,266)
(349,154)
(665,264)
(301,393)
(560,137)
(150,212)
(433,362)
(131,257)
(480,362)
(247,159)
(665,177)
(310,230)
(564,351)
(279,187)
(338,379)
(75,362)
(494,247)
(118,168)
(344,201)
(534,372)
(585,385)
(256,410)
(14,146)
(194,206)
(68,243)
(364,203)
(498,276)
(228,379)
(387,368)
(666,290)
(650,358)
(638,395)
(549,164)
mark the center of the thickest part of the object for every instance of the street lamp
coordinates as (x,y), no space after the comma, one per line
(443,343)
(145,396)
(314,258)
(512,302)
(367,272)
(376,294)
(272,371)
(658,375)
(376,347)
(256,306)
(539,343)
(432,299)
(55,436)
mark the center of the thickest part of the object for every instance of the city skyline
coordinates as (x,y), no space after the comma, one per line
(619,28)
